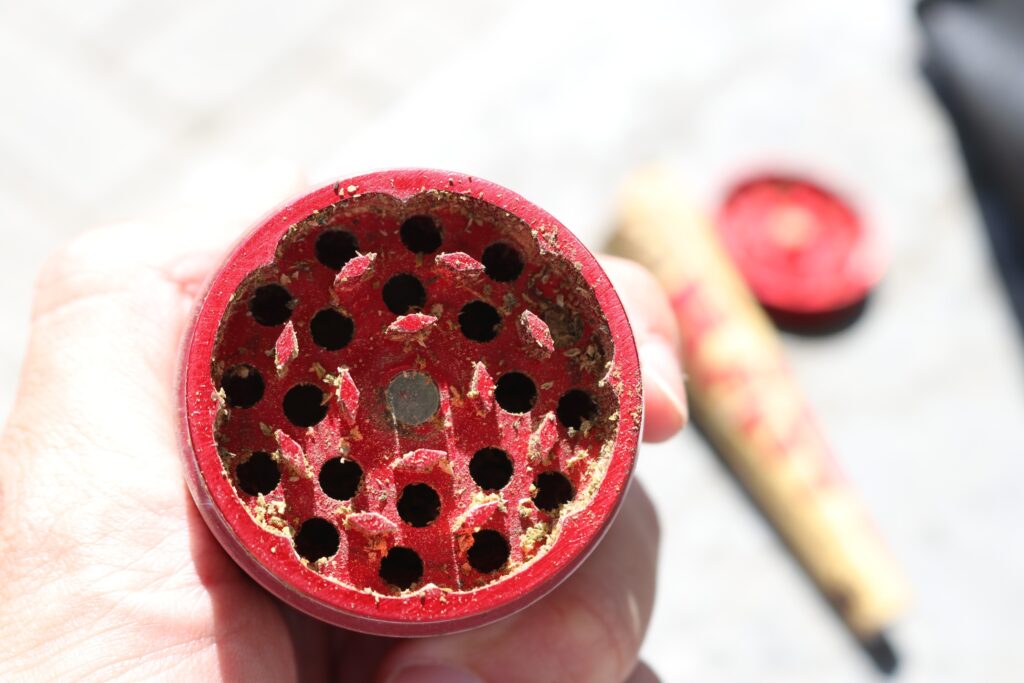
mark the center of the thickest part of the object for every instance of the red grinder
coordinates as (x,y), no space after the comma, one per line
(804,251)
(410,403)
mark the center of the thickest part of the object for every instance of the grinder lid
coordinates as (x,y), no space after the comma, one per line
(801,248)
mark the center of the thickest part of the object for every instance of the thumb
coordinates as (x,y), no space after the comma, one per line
(110,307)
(94,415)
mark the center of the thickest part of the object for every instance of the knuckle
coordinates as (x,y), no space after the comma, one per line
(75,268)
(81,252)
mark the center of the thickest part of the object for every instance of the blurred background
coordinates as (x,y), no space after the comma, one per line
(115,108)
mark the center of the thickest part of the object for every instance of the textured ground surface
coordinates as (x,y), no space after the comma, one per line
(110,106)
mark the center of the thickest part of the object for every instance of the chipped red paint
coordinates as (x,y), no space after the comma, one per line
(561,324)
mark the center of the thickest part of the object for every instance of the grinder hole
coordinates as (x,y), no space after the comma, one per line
(479,321)
(304,405)
(553,491)
(420,234)
(317,539)
(243,386)
(340,478)
(489,551)
(335,248)
(491,468)
(419,505)
(502,262)
(401,567)
(403,293)
(515,392)
(331,329)
(574,407)
(271,305)
(258,475)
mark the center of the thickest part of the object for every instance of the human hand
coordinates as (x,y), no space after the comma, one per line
(108,572)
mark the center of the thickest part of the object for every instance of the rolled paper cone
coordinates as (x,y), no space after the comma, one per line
(745,398)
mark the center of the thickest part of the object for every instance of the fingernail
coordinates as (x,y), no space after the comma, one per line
(434,673)
(661,367)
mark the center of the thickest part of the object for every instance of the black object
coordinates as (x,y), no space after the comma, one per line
(881,652)
(975,62)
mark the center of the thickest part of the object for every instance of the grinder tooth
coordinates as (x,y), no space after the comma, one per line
(356,270)
(481,389)
(543,439)
(292,453)
(348,395)
(286,348)
(459,263)
(536,333)
(476,516)
(422,461)
(371,524)
(414,325)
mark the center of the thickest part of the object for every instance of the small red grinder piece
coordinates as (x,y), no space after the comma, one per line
(410,403)
(804,252)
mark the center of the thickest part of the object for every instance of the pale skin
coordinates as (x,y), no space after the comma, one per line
(107,572)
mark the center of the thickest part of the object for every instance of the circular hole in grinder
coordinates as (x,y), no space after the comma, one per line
(574,407)
(243,386)
(419,505)
(489,551)
(340,478)
(491,468)
(317,539)
(401,567)
(271,305)
(553,491)
(502,262)
(335,248)
(420,234)
(479,321)
(404,294)
(331,329)
(304,406)
(258,475)
(515,392)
